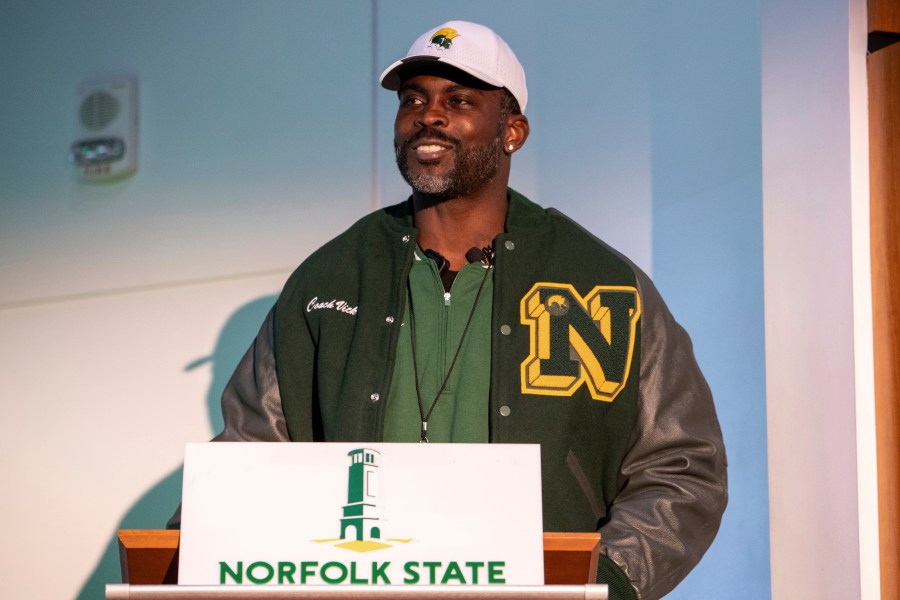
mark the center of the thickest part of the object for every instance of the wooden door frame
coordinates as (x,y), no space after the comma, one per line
(884,173)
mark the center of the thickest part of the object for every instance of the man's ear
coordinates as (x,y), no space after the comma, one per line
(517,130)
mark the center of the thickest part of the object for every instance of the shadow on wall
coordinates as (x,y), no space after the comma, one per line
(155,507)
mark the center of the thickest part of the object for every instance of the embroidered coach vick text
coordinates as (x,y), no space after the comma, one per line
(333,304)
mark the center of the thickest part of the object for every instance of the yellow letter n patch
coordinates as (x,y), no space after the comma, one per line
(577,340)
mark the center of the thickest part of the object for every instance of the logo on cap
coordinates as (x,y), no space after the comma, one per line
(444,37)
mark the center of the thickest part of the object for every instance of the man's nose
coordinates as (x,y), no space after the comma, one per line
(432,115)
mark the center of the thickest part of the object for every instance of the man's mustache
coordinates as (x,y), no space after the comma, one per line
(430,133)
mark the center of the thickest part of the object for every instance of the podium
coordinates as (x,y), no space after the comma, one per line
(149,562)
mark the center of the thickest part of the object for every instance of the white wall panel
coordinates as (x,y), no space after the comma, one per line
(99,401)
(818,300)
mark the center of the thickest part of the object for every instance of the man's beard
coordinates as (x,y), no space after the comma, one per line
(473,167)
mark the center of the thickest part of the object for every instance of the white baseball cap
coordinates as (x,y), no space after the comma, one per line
(469,47)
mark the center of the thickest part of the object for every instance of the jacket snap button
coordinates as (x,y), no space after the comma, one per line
(374,397)
(389,320)
(504,411)
(505,329)
(509,245)
(405,239)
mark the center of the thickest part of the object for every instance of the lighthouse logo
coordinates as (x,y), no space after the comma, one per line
(361,523)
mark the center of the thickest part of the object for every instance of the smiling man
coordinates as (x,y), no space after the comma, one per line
(468,313)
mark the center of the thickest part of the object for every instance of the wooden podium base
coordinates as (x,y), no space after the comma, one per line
(351,592)
(150,557)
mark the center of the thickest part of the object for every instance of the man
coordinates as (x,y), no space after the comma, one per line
(470,314)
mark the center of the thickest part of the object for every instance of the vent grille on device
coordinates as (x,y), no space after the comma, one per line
(98,110)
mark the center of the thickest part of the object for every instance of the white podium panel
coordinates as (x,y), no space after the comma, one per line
(361,514)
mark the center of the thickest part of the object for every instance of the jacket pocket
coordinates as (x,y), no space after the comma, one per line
(585,484)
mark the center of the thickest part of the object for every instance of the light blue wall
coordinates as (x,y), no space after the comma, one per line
(707,252)
(263,133)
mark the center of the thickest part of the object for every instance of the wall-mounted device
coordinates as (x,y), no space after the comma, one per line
(105,145)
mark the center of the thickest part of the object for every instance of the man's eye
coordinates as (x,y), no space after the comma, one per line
(458,101)
(410,101)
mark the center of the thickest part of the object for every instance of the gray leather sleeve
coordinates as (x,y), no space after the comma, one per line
(674,474)
(251,402)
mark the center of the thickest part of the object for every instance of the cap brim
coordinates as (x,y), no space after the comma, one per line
(391,78)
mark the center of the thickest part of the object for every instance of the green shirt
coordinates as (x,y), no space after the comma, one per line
(461,412)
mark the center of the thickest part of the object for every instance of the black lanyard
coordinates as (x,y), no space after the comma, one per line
(487,258)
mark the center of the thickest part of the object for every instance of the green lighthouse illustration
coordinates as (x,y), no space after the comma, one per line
(360,521)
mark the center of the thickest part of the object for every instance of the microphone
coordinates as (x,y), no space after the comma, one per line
(442,263)
(485,255)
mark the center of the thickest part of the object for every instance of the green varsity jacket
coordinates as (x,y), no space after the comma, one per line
(586,361)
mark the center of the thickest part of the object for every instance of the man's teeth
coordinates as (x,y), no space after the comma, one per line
(430,148)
